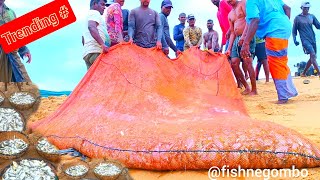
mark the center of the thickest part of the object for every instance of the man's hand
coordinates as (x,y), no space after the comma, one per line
(105,48)
(178,52)
(245,51)
(28,55)
(240,42)
(228,34)
(228,51)
(296,43)
(165,51)
(159,45)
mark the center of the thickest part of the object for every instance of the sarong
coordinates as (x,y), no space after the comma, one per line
(277,54)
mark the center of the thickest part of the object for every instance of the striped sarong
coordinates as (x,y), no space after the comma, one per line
(277,54)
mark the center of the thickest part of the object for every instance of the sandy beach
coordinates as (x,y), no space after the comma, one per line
(301,114)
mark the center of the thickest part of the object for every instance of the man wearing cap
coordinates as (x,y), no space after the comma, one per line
(95,37)
(192,34)
(211,38)
(114,20)
(222,14)
(303,23)
(166,41)
(145,26)
(178,32)
(276,30)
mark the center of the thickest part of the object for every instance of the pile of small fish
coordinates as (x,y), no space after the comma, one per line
(10,120)
(21,98)
(29,169)
(12,146)
(78,170)
(107,169)
(45,146)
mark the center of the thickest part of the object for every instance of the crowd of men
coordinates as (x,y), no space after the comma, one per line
(263,32)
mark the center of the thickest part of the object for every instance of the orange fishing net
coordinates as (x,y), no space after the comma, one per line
(137,106)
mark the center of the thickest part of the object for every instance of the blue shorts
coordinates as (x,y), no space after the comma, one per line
(260,51)
(309,48)
(235,52)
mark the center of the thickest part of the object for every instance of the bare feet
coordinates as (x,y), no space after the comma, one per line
(246,91)
(252,93)
(284,101)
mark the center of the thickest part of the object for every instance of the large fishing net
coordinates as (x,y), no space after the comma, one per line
(139,107)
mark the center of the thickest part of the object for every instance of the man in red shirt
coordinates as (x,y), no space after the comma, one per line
(223,10)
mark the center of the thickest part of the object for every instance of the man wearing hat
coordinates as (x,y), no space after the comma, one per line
(303,23)
(145,26)
(166,41)
(192,34)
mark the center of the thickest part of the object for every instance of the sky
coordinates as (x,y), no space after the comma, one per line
(57,62)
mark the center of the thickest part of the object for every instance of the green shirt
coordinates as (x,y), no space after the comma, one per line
(6,15)
(258,40)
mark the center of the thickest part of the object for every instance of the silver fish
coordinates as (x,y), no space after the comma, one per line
(10,120)
(107,169)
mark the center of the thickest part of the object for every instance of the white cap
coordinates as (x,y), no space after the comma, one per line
(110,2)
(306,4)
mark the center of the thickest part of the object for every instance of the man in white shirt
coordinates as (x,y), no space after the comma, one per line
(95,37)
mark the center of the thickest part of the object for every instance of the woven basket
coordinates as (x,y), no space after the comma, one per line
(3,96)
(23,106)
(113,177)
(53,168)
(21,116)
(14,135)
(49,156)
(67,165)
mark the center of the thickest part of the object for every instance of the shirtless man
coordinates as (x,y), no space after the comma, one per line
(211,38)
(237,20)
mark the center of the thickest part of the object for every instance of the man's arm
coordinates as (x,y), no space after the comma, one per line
(294,31)
(117,16)
(92,26)
(205,41)
(186,37)
(131,24)
(158,27)
(176,35)
(287,10)
(200,37)
(316,22)
(215,39)
(232,35)
(163,37)
(252,28)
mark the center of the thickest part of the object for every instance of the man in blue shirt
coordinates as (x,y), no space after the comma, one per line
(166,41)
(178,32)
(270,19)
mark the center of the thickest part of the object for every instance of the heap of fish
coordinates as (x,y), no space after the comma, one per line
(13,146)
(107,169)
(29,169)
(45,146)
(77,170)
(10,120)
(21,98)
